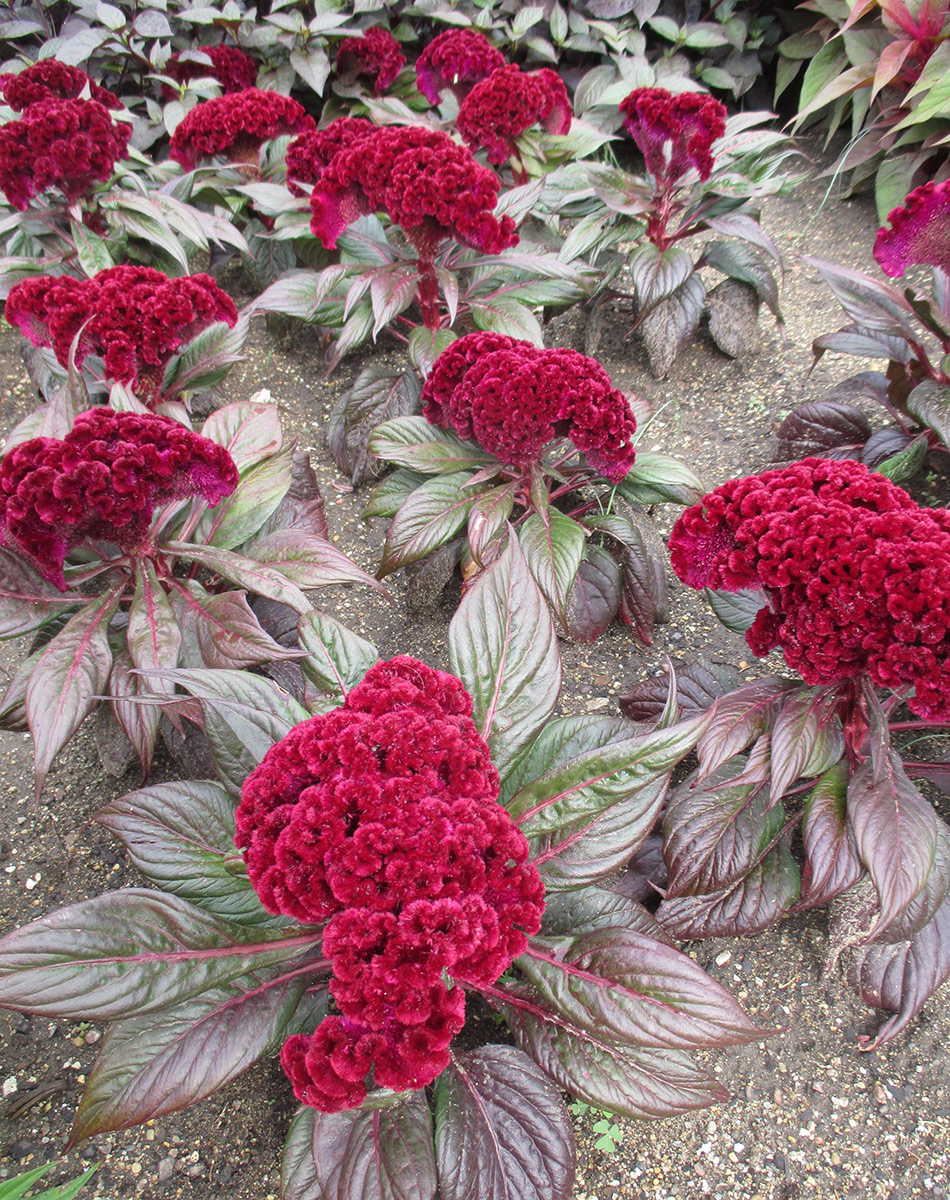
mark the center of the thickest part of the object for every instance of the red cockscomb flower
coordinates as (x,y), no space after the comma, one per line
(383,816)
(855,576)
(309,153)
(135,317)
(513,399)
(429,185)
(101,483)
(69,145)
(508,102)
(231,67)
(376,54)
(919,231)
(674,133)
(50,79)
(236,127)
(455,59)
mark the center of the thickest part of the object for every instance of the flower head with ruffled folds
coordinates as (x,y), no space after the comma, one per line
(456,59)
(102,482)
(136,318)
(235,127)
(514,398)
(69,145)
(234,70)
(427,184)
(383,818)
(674,132)
(376,54)
(508,102)
(919,231)
(854,575)
(50,79)
(309,153)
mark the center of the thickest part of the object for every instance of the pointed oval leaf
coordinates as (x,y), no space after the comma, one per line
(736,610)
(225,631)
(308,560)
(594,598)
(138,720)
(249,430)
(428,518)
(337,658)
(415,443)
(261,579)
(741,717)
(807,738)
(553,547)
(239,516)
(832,862)
(501,1129)
(27,601)
(503,647)
(130,952)
(487,518)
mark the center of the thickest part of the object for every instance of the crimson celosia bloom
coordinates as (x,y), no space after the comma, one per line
(674,133)
(513,399)
(376,54)
(231,67)
(919,231)
(101,483)
(50,79)
(855,576)
(309,153)
(66,144)
(508,102)
(429,185)
(383,816)
(236,126)
(135,317)
(455,59)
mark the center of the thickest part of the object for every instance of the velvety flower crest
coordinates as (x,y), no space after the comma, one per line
(309,153)
(674,133)
(508,102)
(101,483)
(50,79)
(455,59)
(855,576)
(919,231)
(236,126)
(514,398)
(428,185)
(69,145)
(136,318)
(230,66)
(383,816)
(376,54)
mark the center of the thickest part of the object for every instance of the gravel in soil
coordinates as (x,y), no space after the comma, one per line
(810,1114)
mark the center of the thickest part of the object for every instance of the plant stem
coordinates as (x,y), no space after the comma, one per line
(429,294)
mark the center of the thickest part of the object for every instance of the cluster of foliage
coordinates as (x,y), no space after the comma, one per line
(18,1187)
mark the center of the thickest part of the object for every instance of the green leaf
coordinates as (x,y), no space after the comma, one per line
(249,430)
(503,647)
(659,479)
(553,546)
(239,516)
(906,463)
(415,443)
(27,600)
(388,496)
(181,837)
(425,346)
(337,658)
(308,560)
(487,518)
(501,315)
(658,273)
(736,610)
(929,402)
(91,251)
(258,578)
(429,517)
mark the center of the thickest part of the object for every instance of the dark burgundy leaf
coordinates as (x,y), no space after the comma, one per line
(225,631)
(861,341)
(157,1064)
(832,863)
(671,322)
(715,832)
(884,444)
(426,579)
(131,952)
(901,977)
(814,429)
(501,1129)
(627,1080)
(741,717)
(594,596)
(895,830)
(591,908)
(745,266)
(302,507)
(645,876)
(376,396)
(698,685)
(736,610)
(27,601)
(867,300)
(366,1154)
(132,729)
(929,402)
(752,904)
(644,600)
(807,738)
(733,311)
(635,990)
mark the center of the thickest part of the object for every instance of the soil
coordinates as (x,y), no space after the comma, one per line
(810,1114)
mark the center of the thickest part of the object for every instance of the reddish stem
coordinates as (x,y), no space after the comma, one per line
(429,294)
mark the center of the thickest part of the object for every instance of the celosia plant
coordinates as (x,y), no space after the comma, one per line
(456,59)
(910,328)
(234,70)
(842,571)
(574,503)
(309,153)
(50,79)
(235,128)
(434,841)
(375,54)
(505,105)
(702,174)
(66,145)
(139,504)
(135,318)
